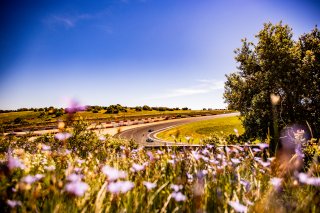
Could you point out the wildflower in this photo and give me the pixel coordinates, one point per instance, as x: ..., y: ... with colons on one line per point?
x: 303, y: 178
x: 276, y: 182
x: 102, y: 138
x: 235, y: 161
x: 236, y: 131
x: 77, y: 188
x: 14, y: 163
x: 238, y: 207
x: 14, y: 203
x: 171, y: 161
x: 196, y: 155
x: 150, y: 155
x: 137, y: 168
x: 74, y: 107
x: 120, y: 187
x: 263, y: 145
x: 178, y: 196
x: 61, y: 136
x: 74, y: 177
x: 29, y: 179
x: 246, y: 184
x: 45, y: 147
x: 176, y: 188
x: 113, y: 174
x: 149, y: 185
x: 50, y: 168
x: 159, y: 152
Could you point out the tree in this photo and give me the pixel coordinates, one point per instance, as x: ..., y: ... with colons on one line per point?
x: 280, y: 68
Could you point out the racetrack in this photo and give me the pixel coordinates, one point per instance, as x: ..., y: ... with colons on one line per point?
x: 141, y: 134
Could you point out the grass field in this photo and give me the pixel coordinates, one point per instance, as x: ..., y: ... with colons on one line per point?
x: 30, y: 119
x: 203, y: 129
x: 79, y: 171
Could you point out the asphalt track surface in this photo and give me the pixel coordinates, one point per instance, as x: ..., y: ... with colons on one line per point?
x: 141, y: 134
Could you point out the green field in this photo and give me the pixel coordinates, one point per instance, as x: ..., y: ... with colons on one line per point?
x: 36, y: 120
x: 203, y: 129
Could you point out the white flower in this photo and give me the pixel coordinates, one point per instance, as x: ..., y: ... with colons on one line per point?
x: 238, y: 207
x: 149, y: 185
x: 178, y: 196
x: 120, y: 187
x: 113, y: 174
x: 14, y: 203
x: 77, y: 188
x: 61, y: 136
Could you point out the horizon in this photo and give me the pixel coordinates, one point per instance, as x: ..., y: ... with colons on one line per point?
x: 131, y: 52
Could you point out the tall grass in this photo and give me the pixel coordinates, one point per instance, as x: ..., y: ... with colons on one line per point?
x: 83, y: 172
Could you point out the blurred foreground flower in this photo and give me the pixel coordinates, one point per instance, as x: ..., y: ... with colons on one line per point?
x: 29, y: 179
x: 238, y: 207
x: 61, y: 136
x: 14, y: 203
x: 113, y: 174
x: 304, y: 178
x: 77, y: 188
x: 14, y: 163
x: 120, y: 187
x: 149, y: 185
x: 74, y: 107
x: 178, y: 196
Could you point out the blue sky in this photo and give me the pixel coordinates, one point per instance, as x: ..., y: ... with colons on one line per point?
x: 171, y: 53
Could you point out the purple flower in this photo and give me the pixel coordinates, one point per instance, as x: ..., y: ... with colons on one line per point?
x: 176, y: 188
x: 304, y: 178
x: 151, y: 157
x: 235, y: 161
x: 45, y: 147
x: 113, y: 174
x: 178, y: 196
x: 77, y: 188
x: 276, y: 182
x: 14, y: 163
x: 14, y: 203
x: 29, y: 179
x: 137, y: 168
x: 74, y: 177
x: 61, y: 136
x: 50, y: 168
x: 263, y: 145
x: 120, y: 187
x: 149, y: 185
x: 74, y: 107
x: 238, y: 207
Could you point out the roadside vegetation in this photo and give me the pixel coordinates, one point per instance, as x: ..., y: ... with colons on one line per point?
x: 80, y: 171
x: 201, y: 131
x: 33, y: 119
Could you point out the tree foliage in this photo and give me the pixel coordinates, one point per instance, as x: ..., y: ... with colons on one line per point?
x: 280, y: 67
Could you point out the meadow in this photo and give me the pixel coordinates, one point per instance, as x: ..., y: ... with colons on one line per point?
x: 195, y: 132
x: 79, y: 171
x: 30, y: 120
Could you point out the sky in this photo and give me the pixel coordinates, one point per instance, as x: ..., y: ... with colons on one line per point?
x: 172, y: 53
